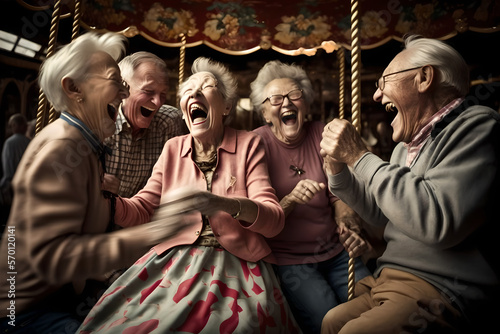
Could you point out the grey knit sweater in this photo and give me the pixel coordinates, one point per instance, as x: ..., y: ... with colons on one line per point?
x: 442, y: 215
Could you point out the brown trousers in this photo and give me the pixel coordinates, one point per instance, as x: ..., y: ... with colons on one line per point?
x: 395, y: 302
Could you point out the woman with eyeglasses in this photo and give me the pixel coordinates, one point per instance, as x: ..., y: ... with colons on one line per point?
x: 320, y: 232
x: 215, y: 276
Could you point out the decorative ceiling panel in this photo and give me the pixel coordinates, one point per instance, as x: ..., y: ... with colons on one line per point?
x: 291, y: 26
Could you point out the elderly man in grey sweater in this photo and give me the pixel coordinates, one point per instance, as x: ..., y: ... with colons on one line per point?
x: 437, y: 198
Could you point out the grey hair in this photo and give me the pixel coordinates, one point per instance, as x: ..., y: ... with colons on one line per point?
x: 129, y: 64
x: 71, y: 61
x: 275, y: 69
x: 226, y: 82
x: 453, y: 70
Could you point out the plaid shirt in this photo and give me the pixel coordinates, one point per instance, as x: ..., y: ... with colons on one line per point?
x: 419, y: 140
x: 132, y: 160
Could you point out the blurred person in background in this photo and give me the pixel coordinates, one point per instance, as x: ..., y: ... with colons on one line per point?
x: 12, y: 152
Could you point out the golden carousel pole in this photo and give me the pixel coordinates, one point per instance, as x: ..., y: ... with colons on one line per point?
x: 53, y: 115
x: 42, y: 100
x: 182, y: 60
x: 355, y: 67
x: 76, y: 20
x: 341, y: 58
x: 356, y: 108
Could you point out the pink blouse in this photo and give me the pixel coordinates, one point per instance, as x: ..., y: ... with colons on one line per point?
x: 241, y: 172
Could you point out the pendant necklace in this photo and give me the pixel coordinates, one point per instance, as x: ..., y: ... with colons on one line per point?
x: 297, y: 170
x: 294, y: 166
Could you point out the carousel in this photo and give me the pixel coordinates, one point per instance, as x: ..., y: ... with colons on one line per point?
x: 344, y: 45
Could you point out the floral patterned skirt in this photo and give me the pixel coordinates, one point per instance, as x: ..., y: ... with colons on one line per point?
x: 192, y: 289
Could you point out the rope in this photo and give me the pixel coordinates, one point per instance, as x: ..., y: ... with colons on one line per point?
x: 356, y: 108
x: 42, y: 100
x: 182, y: 59
x: 341, y: 58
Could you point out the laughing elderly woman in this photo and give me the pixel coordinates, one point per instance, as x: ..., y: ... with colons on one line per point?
x: 312, y: 250
x: 59, y: 214
x: 215, y: 276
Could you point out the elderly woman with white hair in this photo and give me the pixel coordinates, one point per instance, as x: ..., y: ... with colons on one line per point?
x: 56, y: 234
x: 215, y: 276
x: 320, y: 231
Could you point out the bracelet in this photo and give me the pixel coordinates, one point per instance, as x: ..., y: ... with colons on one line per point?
x: 237, y: 214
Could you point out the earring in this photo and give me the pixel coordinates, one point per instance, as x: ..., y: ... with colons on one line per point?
x: 79, y: 100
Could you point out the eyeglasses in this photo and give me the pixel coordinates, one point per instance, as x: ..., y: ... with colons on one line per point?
x: 121, y: 82
x: 380, y: 83
x: 278, y: 99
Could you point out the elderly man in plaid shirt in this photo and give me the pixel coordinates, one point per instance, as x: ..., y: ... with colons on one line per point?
x: 144, y: 123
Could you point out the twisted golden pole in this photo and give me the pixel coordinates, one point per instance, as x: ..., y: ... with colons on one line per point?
x: 351, y: 278
x: 42, y: 104
x: 182, y: 60
x: 341, y: 58
x: 42, y: 100
x: 355, y: 66
x: 53, y: 115
x: 356, y: 108
x: 76, y: 20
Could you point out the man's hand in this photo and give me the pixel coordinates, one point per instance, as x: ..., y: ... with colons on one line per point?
x: 341, y: 144
x: 353, y: 243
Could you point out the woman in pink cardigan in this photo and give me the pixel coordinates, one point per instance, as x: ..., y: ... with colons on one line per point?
x: 214, y: 276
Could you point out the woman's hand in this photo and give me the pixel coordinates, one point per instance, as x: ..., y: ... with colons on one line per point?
x: 303, y: 192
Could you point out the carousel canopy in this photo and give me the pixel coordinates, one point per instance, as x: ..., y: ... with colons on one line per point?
x: 290, y: 26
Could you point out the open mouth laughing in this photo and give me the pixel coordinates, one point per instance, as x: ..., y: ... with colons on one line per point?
x: 146, y: 112
x: 390, y: 107
x: 289, y: 117
x: 198, y: 113
x: 112, y: 111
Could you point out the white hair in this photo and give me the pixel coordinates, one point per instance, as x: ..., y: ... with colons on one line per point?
x: 275, y: 69
x: 71, y: 61
x: 452, y: 68
x: 226, y: 82
x: 131, y: 62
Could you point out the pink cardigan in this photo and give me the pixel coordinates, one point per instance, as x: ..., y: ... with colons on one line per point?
x: 241, y: 172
